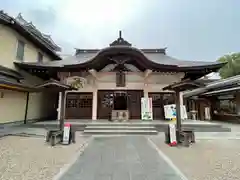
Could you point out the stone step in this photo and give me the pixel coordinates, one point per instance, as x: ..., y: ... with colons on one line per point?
x: 198, y: 128
x: 123, y: 132
x: 120, y: 128
x: 145, y: 124
x: 161, y: 127
x: 121, y: 124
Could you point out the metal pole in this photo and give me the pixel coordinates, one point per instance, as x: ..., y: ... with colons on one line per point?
x: 178, y: 112
x: 26, y: 108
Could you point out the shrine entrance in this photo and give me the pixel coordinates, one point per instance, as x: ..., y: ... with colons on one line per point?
x: 120, y: 101
x: 126, y: 100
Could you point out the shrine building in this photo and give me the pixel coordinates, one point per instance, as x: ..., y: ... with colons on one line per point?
x: 112, y: 80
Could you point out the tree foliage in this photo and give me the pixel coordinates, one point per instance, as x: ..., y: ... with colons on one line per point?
x: 232, y: 68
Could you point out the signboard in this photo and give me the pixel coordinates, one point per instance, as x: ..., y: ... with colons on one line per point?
x: 76, y: 82
x: 170, y: 111
x: 146, y: 109
x: 172, y: 133
x: 66, y: 133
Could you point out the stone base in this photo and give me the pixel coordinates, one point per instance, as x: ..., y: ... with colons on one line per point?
x: 120, y: 115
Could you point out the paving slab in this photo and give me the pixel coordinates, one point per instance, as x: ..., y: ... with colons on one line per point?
x: 208, y: 159
x: 120, y: 158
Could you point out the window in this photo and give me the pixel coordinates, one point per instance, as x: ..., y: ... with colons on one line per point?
x: 20, y: 50
x: 226, y: 104
x: 40, y: 57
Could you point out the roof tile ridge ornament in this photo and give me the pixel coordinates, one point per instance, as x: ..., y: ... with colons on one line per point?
x: 32, y: 28
x: 120, y: 41
x: 49, y: 38
x: 20, y: 19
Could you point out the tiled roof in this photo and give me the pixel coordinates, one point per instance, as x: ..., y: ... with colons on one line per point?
x: 215, y: 85
x: 47, y: 38
x: 155, y: 58
x: 159, y: 58
x: 31, y: 33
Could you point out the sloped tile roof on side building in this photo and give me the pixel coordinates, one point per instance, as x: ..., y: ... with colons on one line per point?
x: 31, y: 33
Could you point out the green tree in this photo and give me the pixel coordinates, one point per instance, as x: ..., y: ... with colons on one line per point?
x: 232, y: 68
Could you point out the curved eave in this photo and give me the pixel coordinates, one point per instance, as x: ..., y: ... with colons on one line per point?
x: 35, y: 66
x: 215, y: 67
x: 98, y: 59
x: 102, y: 58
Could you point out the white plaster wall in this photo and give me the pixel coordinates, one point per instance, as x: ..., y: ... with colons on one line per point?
x: 12, y: 106
x: 154, y: 83
x: 8, y: 48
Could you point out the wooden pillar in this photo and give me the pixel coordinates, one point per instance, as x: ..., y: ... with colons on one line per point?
x: 178, y: 116
x: 94, y: 106
x: 238, y: 103
x: 181, y: 98
x: 62, y: 111
x: 59, y: 105
x: 145, y: 91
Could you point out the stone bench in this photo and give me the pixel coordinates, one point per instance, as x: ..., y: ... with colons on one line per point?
x: 187, y: 137
x: 54, y: 137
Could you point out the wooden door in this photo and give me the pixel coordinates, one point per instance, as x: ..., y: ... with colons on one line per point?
x: 79, y: 106
x: 105, y: 104
x: 134, y: 103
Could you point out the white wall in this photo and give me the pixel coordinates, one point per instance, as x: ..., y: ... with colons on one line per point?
x: 12, y: 105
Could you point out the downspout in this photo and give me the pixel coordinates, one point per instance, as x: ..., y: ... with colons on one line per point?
x: 26, y: 108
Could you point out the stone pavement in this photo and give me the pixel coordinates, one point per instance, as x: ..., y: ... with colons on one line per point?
x: 22, y: 131
x: 207, y: 159
x: 120, y: 158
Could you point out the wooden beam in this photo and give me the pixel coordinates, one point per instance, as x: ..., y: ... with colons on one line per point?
x: 93, y: 72
x: 146, y: 73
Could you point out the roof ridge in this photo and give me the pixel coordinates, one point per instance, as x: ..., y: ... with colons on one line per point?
x: 28, y: 30
x: 37, y: 32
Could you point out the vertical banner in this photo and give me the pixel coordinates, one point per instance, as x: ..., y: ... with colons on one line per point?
x: 207, y: 113
x: 172, y: 133
x: 146, y: 109
x: 150, y: 110
x: 66, y: 133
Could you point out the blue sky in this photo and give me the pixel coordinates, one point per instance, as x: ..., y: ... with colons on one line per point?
x: 190, y: 29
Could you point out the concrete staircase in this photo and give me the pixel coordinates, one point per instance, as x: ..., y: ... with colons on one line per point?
x: 120, y: 129
x: 129, y: 127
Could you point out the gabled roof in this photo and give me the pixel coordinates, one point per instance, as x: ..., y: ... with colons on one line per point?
x: 29, y: 31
